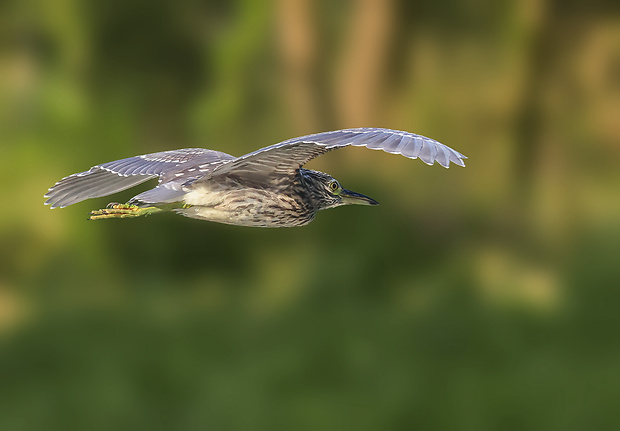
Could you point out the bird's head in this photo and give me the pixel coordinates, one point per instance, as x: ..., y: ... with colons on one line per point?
x: 323, y: 191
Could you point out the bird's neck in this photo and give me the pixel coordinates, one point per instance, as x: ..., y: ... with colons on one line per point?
x: 307, y: 190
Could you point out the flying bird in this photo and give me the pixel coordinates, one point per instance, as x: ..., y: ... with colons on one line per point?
x: 264, y: 188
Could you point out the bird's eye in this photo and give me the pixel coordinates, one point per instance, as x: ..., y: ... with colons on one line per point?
x: 334, y: 186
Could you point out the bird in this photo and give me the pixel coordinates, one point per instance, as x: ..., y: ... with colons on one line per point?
x: 265, y: 188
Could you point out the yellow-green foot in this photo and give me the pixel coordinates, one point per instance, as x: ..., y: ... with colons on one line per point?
x: 122, y: 211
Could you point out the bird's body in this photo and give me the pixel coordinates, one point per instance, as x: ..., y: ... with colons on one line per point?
x: 265, y: 188
x: 233, y: 202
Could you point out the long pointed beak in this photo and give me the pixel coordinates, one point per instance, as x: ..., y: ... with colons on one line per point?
x: 353, y: 198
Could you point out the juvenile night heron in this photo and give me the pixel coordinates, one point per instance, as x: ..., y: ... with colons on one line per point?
x: 265, y: 188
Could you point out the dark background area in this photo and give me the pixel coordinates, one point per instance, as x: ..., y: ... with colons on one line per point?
x: 481, y: 298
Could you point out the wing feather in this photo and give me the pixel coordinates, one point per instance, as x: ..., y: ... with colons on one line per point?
x: 392, y: 143
x: 291, y: 154
x: 112, y: 177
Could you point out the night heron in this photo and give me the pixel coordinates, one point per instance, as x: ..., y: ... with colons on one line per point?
x: 265, y: 188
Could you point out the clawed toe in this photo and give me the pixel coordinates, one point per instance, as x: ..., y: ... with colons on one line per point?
x: 116, y: 210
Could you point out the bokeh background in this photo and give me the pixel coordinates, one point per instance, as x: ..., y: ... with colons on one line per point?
x: 481, y: 298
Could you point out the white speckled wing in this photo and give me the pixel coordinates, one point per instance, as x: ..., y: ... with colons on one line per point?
x: 112, y: 177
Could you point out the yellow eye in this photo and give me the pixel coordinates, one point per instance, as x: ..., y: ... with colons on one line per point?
x: 334, y: 186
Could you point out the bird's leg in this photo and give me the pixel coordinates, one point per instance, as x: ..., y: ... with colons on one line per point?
x: 115, y: 210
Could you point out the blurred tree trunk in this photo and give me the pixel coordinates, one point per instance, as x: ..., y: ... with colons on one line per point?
x: 298, y: 45
x: 360, y: 72
x: 354, y: 92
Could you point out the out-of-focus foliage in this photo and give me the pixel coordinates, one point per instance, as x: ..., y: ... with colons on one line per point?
x: 471, y: 299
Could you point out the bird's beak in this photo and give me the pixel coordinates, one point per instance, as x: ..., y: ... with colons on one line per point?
x: 353, y: 198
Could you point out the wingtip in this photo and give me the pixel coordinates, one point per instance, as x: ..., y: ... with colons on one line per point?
x: 458, y: 159
x: 52, y: 205
x: 458, y: 162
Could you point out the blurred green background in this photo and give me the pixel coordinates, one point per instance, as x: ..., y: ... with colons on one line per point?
x: 482, y: 298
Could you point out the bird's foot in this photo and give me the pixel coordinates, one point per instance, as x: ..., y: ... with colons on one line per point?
x: 115, y: 210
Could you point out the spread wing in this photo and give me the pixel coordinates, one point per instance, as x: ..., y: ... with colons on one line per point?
x: 291, y: 154
x: 112, y: 177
